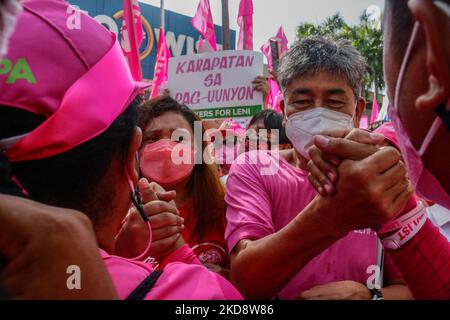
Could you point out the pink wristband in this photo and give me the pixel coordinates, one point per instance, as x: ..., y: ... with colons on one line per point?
x: 406, y: 233
x: 403, y: 220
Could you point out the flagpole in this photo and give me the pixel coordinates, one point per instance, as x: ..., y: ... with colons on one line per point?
x: 162, y: 14
x: 225, y: 26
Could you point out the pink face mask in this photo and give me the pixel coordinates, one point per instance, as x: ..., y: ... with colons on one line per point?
x: 167, y: 162
x: 424, y: 183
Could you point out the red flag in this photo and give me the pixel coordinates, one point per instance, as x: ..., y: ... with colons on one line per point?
x: 245, y: 22
x: 203, y: 23
x: 132, y: 35
x: 161, y: 65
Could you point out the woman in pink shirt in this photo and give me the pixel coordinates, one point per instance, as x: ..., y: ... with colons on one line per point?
x: 167, y: 125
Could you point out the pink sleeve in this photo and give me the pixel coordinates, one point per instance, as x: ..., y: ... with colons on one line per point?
x: 181, y: 281
x: 183, y: 254
x: 249, y: 213
x: 425, y: 263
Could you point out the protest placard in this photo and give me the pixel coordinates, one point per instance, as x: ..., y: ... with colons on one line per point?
x: 217, y: 85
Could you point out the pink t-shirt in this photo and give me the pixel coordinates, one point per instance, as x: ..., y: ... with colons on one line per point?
x: 179, y: 280
x: 264, y: 193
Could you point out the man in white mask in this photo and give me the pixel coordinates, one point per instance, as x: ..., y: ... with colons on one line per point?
x: 417, y: 73
x: 279, y: 229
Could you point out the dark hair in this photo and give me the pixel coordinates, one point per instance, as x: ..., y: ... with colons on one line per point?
x: 271, y: 120
x: 76, y: 178
x: 313, y: 54
x: 206, y: 190
x: 9, y: 128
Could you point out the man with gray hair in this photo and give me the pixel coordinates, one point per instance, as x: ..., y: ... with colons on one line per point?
x: 286, y: 240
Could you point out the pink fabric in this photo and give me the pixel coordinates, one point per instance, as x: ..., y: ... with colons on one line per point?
x: 53, y: 136
x: 275, y: 96
x: 59, y: 56
x: 162, y: 64
x: 179, y: 280
x: 259, y: 205
x: 89, y: 84
x: 245, y: 22
x: 425, y: 263
x: 265, y: 48
x: 132, y: 35
x: 183, y: 254
x: 388, y: 131
x: 374, y: 115
x: 203, y: 23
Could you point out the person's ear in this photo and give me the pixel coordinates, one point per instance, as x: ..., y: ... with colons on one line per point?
x: 435, y: 24
x: 132, y: 162
x: 359, y: 111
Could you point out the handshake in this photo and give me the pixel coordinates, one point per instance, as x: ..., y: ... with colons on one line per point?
x: 360, y: 177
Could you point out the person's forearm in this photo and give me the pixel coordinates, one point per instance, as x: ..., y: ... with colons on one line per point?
x: 396, y: 292
x: 266, y: 265
x: 425, y: 263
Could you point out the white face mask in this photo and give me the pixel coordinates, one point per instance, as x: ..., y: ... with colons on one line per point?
x: 301, y: 127
x: 8, y: 16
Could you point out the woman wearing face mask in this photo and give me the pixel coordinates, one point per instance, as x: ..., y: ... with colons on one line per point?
x: 167, y: 158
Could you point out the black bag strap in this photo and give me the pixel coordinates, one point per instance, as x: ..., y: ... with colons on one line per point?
x: 145, y: 286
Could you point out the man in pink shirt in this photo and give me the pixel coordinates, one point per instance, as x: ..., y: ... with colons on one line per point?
x: 278, y: 228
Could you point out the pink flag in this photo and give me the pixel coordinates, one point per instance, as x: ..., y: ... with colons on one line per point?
x: 245, y: 22
x: 374, y: 115
x: 203, y: 23
x: 364, y: 124
x: 284, y: 41
x: 161, y: 65
x: 131, y: 35
x: 275, y: 96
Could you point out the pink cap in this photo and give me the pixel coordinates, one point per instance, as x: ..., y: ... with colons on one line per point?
x: 388, y: 131
x: 82, y: 80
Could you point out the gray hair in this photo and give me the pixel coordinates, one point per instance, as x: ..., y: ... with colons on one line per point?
x: 311, y: 55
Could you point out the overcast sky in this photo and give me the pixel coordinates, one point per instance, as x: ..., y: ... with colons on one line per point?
x: 270, y: 14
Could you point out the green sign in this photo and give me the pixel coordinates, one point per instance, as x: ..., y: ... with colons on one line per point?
x: 228, y: 112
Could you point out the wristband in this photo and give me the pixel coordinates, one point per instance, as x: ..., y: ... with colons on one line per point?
x: 404, y: 234
x: 403, y: 220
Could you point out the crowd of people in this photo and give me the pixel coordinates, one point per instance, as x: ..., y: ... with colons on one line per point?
x: 153, y: 203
